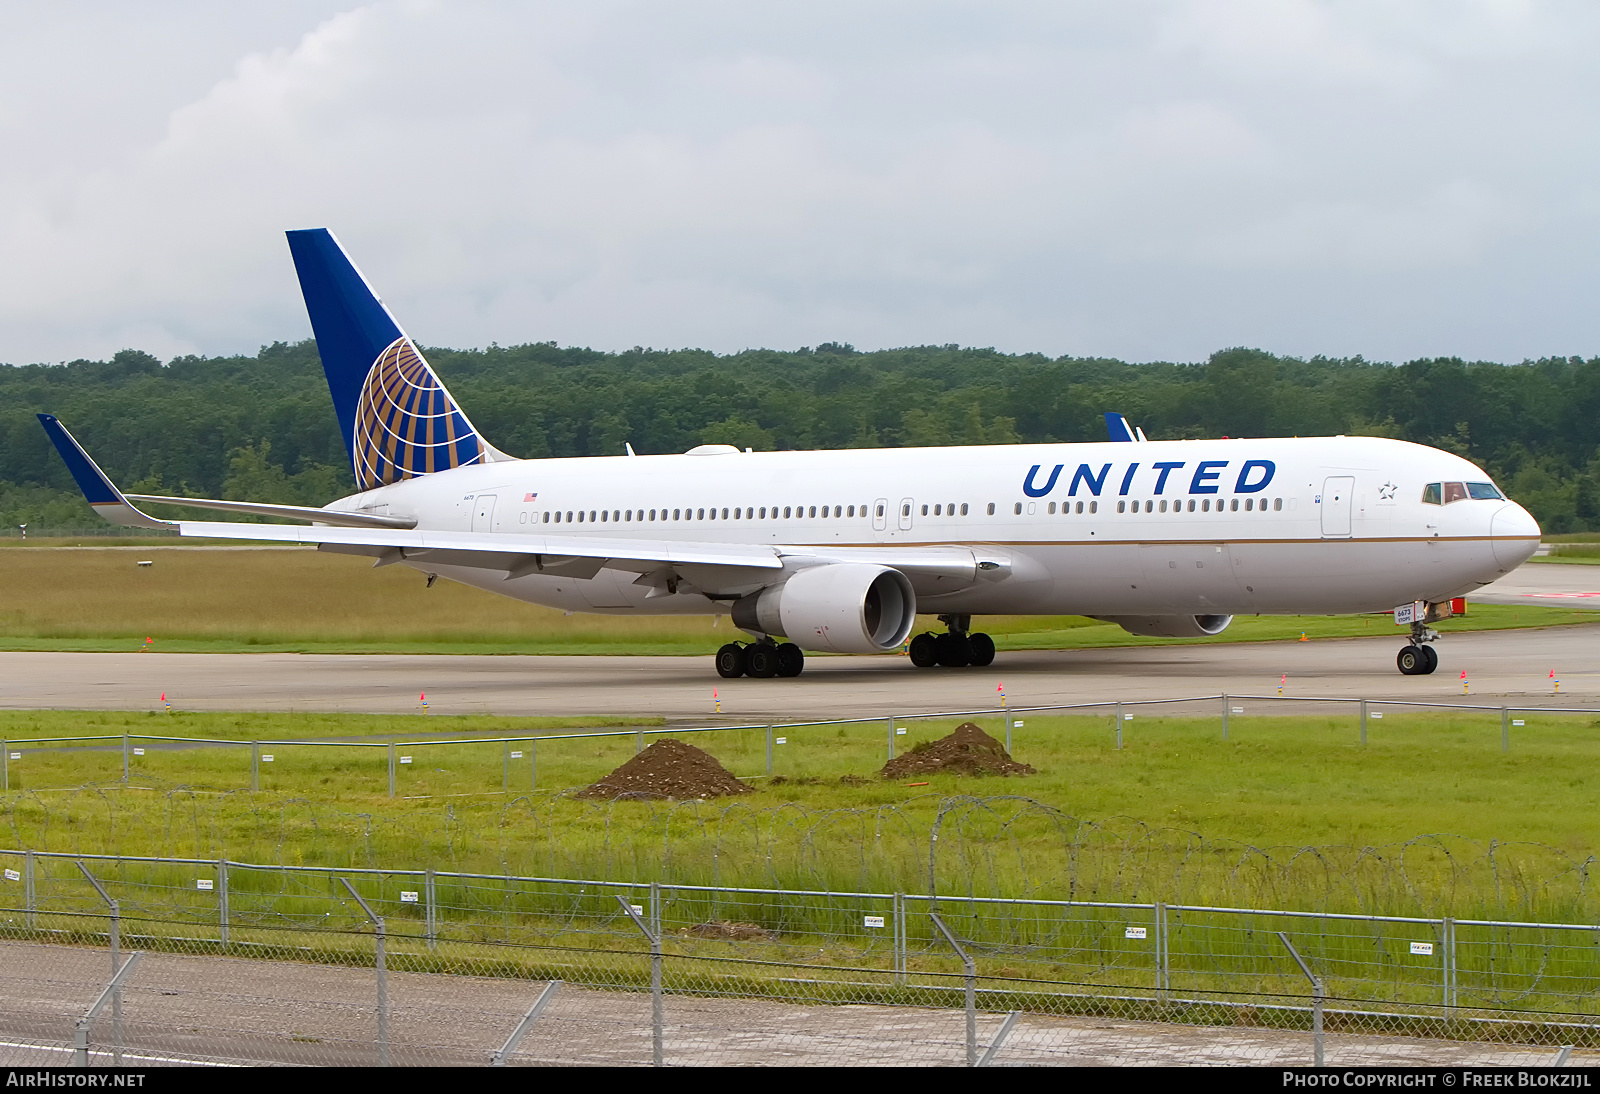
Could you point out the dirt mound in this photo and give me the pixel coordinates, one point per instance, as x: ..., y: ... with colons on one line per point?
x: 667, y: 769
x: 967, y: 751
x: 732, y: 932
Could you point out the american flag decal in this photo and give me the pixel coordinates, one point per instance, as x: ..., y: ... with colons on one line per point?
x: 529, y: 497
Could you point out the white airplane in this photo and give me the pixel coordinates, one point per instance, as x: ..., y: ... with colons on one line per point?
x: 839, y: 551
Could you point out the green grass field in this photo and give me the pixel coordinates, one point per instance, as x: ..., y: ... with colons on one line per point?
x: 297, y: 600
x: 1288, y: 812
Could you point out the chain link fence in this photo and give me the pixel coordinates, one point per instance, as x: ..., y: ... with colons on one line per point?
x: 135, y: 961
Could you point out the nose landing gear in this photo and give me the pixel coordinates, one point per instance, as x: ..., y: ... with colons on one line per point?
x: 1419, y: 658
x: 956, y: 648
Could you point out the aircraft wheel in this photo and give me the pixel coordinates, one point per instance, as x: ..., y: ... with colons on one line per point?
x: 925, y: 650
x: 730, y: 661
x: 1432, y: 656
x: 1412, y: 660
x: 982, y: 649
x: 955, y: 651
x: 791, y: 659
x: 761, y: 660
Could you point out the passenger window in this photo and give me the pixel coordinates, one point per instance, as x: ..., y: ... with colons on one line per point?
x: 1455, y: 491
x: 880, y: 510
x: 924, y: 510
x: 1431, y: 494
x: 603, y: 515
x: 724, y: 514
x: 1094, y: 507
x: 1233, y: 506
x: 991, y: 508
x: 1052, y: 507
x: 1163, y: 505
x: 963, y: 508
x: 852, y: 511
x: 677, y: 514
x: 1122, y: 507
x: 813, y: 511
x: 1277, y: 503
x: 786, y: 511
x: 546, y: 519
x: 1191, y: 505
x: 1018, y: 509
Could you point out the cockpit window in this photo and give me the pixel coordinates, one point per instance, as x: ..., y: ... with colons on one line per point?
x: 1431, y: 494
x: 1483, y: 491
x: 1455, y: 491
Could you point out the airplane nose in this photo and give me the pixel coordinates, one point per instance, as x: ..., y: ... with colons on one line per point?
x: 1514, y: 534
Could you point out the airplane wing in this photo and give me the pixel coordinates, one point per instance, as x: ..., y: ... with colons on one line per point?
x: 706, y: 565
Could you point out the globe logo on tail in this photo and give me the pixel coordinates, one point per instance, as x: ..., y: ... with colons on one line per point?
x: 406, y: 424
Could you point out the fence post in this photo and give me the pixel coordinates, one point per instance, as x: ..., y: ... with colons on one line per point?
x: 769, y: 750
x: 430, y: 911
x: 1505, y: 729
x: 1163, y: 975
x: 499, y: 1059
x: 638, y: 746
x: 899, y: 937
x: 970, y: 976
x: 5, y: 765
x: 533, y: 765
x: 1316, y: 999
x: 391, y: 769
x: 112, y: 991
x: 1008, y: 734
x: 125, y: 755
x: 383, y: 976
x: 30, y: 897
x: 1224, y: 717
x: 255, y: 766
x: 1448, y: 930
x: 891, y: 736
x: 115, y: 986
x: 1363, y: 723
x: 655, y: 978
x: 222, y: 900
x: 1119, y: 723
x: 505, y: 766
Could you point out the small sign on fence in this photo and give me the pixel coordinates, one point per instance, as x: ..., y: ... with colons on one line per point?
x: 1376, y: 714
x: 266, y: 757
x: 1017, y: 723
x: 638, y: 909
x: 16, y: 755
x: 12, y: 875
x: 405, y: 759
x: 203, y: 883
x: 1518, y: 722
x: 1134, y: 932
x: 872, y: 921
x: 516, y: 754
x: 1238, y: 710
x: 138, y: 752
x: 780, y: 740
x: 899, y: 731
x: 1423, y: 948
x: 407, y: 896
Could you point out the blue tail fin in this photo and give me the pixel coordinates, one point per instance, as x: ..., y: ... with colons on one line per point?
x: 397, y: 419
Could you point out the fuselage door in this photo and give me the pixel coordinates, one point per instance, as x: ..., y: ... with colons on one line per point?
x: 880, y: 515
x: 1337, y: 501
x: 483, y: 513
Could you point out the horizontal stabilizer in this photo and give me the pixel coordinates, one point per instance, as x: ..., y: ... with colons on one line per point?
x: 336, y: 517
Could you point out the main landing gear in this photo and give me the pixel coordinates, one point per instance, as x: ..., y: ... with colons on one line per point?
x: 1419, y: 658
x: 956, y: 648
x: 763, y: 660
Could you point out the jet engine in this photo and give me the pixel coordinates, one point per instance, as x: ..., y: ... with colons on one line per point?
x: 1171, y: 626
x: 840, y: 607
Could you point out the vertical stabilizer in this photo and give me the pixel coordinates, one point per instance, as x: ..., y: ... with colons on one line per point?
x: 397, y: 419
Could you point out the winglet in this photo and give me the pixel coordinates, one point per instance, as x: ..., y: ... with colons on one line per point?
x: 98, y: 490
x: 1118, y: 428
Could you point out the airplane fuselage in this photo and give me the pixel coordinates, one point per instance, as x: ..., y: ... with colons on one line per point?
x: 1204, y: 527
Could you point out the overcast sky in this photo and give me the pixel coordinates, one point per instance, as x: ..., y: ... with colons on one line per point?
x: 1144, y: 179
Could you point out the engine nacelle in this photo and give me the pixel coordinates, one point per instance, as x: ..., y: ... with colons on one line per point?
x: 1171, y: 626
x: 839, y: 607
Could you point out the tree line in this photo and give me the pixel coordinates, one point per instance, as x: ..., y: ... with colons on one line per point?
x: 262, y: 427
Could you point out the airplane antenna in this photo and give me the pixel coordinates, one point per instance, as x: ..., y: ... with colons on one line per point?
x: 629, y: 448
